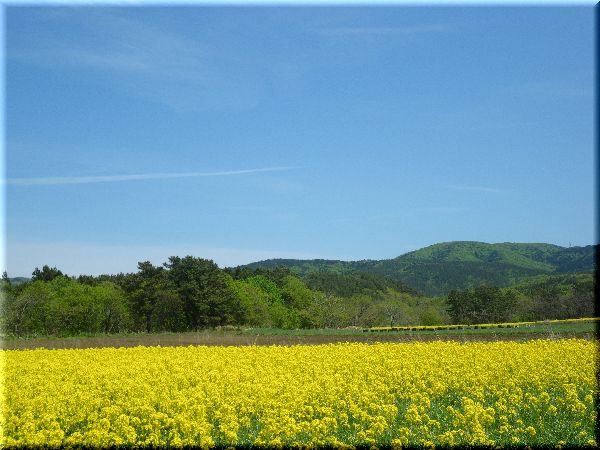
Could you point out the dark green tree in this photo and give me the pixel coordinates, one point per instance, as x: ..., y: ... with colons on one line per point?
x: 46, y: 274
x: 168, y: 313
x: 114, y: 309
x: 584, y: 299
x: 25, y: 313
x: 5, y: 280
x: 205, y: 291
x: 483, y: 304
x: 460, y: 306
x: 143, y: 288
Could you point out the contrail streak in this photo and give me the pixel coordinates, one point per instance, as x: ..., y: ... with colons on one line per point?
x: 137, y: 177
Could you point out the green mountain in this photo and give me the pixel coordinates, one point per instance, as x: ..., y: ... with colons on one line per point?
x: 349, y: 284
x: 19, y: 280
x: 556, y: 283
x: 439, y: 268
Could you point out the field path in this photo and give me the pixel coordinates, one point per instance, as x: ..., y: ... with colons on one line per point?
x: 237, y: 339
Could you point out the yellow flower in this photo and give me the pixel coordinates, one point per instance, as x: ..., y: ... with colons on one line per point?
x: 357, y: 394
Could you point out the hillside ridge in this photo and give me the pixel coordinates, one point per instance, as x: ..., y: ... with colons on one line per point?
x: 439, y: 268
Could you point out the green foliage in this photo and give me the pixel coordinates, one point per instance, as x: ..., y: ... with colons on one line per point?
x: 295, y: 293
x: 23, y: 312
x: 205, y: 291
x: 575, y: 259
x: 168, y: 312
x: 114, y: 313
x: 265, y: 304
x: 439, y: 268
x: 562, y: 282
x: 483, y: 304
x: 276, y: 274
x: 431, y: 316
x: 268, y: 287
x: 193, y: 293
x: 326, y: 311
x: 557, y: 296
x: 63, y: 306
x: 348, y: 284
x: 303, y: 267
x: 46, y: 274
x: 254, y: 303
x: 537, y: 298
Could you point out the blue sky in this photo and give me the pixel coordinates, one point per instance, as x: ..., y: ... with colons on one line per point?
x: 240, y: 134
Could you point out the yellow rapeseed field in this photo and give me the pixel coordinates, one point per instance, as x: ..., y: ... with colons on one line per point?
x: 499, y: 393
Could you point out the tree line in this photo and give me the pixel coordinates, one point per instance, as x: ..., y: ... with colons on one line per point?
x: 190, y: 294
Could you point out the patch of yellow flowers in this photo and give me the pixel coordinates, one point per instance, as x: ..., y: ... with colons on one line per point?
x: 436, y: 393
x: 483, y: 325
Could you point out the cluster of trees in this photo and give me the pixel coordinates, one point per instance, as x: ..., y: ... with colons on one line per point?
x: 193, y: 293
x: 484, y: 304
x: 190, y: 293
x: 539, y: 298
x: 64, y: 307
x: 556, y: 297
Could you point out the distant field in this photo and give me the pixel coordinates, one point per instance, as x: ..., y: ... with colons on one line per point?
x: 491, y: 326
x: 272, y: 336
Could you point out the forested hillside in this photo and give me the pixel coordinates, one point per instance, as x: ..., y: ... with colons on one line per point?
x: 191, y: 293
x: 439, y: 268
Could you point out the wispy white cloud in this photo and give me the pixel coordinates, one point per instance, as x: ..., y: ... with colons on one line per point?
x: 114, y: 42
x: 154, y: 63
x: 475, y: 188
x: 344, y: 31
x: 136, y: 177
